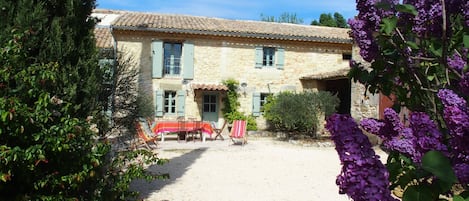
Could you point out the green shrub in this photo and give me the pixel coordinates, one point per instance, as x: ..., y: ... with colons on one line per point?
x: 299, y: 112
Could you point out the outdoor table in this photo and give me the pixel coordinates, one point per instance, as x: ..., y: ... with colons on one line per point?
x: 163, y: 127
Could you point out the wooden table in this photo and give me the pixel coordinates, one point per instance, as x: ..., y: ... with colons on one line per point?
x: 165, y: 127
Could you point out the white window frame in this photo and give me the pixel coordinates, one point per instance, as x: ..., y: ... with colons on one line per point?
x: 170, y: 101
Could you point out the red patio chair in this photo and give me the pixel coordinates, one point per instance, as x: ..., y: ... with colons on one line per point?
x: 145, y: 137
x: 238, y: 132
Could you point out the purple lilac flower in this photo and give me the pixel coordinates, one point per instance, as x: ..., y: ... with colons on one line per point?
x: 387, y: 128
x: 456, y: 61
x: 449, y: 98
x: 363, y: 176
x: 393, y: 121
x: 456, y: 117
x: 426, y: 136
x: 363, y: 35
x: 457, y: 120
x: 373, y: 126
x: 462, y: 172
x: 366, y: 23
x: 429, y: 18
x: 421, y: 136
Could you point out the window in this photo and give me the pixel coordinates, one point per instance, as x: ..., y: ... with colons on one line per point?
x: 258, y: 102
x: 170, y: 102
x: 172, y: 58
x: 264, y: 99
x: 268, y: 58
x: 346, y: 56
x: 210, y: 103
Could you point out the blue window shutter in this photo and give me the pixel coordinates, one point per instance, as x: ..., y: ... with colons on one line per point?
x: 188, y: 56
x: 280, y: 58
x: 180, y: 102
x: 157, y: 59
x: 159, y: 97
x: 259, y: 56
x: 256, y: 104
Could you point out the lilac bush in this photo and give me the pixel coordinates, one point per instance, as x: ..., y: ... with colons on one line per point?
x: 417, y: 51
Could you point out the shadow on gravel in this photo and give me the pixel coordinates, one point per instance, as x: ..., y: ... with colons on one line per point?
x: 176, y: 167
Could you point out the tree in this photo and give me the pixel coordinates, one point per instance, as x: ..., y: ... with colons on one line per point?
x: 340, y: 20
x: 285, y: 17
x: 50, y: 148
x: 417, y: 52
x: 331, y: 21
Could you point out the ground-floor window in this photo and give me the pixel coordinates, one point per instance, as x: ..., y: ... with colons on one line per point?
x: 170, y: 102
x: 264, y: 99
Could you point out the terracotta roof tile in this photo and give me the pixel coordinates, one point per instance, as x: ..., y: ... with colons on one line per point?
x: 103, y: 37
x: 339, y: 73
x: 225, y: 27
x: 209, y: 87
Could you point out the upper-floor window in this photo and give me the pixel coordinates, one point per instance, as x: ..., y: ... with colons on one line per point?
x: 172, y: 58
x: 170, y: 102
x: 269, y: 57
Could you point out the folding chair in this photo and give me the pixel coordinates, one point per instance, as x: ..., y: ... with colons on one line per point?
x: 182, y: 130
x: 144, y: 137
x: 238, y: 132
x: 219, y: 131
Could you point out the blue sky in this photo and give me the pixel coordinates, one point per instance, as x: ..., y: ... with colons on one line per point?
x: 308, y: 10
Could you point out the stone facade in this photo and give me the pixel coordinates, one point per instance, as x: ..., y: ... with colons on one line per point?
x: 222, y: 52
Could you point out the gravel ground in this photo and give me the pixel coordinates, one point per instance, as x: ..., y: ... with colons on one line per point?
x: 264, y: 169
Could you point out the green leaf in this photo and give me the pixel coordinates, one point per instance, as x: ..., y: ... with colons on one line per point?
x: 430, y: 77
x: 466, y: 41
x: 412, y: 45
x: 418, y: 193
x: 389, y: 24
x: 406, y: 8
x: 437, y: 163
x: 460, y: 198
x: 4, y: 116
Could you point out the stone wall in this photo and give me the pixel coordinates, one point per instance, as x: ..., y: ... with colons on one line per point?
x: 364, y: 105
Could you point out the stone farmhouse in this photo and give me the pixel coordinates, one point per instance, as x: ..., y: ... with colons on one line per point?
x: 184, y: 59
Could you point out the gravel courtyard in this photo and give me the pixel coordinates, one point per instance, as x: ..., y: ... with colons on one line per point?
x: 265, y: 169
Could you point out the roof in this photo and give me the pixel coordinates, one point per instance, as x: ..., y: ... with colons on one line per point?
x: 103, y: 37
x: 172, y: 23
x: 209, y: 87
x: 341, y: 73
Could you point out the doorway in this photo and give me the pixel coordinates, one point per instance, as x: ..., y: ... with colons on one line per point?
x: 210, y: 107
x: 341, y: 87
